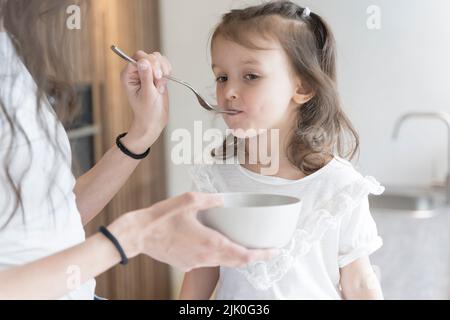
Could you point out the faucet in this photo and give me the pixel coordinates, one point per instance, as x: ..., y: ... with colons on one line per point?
x: 438, y: 115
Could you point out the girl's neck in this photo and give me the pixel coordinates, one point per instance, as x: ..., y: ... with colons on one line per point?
x: 284, y: 168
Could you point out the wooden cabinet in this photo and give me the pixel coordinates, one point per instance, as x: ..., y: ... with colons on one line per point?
x: 133, y: 25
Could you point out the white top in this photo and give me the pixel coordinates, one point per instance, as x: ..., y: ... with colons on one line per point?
x: 52, y: 222
x: 335, y: 228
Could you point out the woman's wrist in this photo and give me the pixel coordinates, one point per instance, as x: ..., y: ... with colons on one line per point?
x: 126, y: 230
x: 137, y: 140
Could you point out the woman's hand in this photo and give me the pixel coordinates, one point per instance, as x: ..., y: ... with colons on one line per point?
x: 170, y: 232
x: 148, y: 97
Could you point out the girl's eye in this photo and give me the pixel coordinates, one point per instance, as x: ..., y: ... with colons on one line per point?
x: 251, y: 77
x: 221, y: 79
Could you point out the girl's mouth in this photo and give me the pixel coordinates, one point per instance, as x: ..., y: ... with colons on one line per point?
x: 234, y: 112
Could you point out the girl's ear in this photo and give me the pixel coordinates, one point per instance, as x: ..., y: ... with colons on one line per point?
x: 303, y: 93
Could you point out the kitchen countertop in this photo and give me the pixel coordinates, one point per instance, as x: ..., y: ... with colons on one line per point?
x: 414, y: 262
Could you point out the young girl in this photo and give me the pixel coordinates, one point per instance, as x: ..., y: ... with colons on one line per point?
x: 275, y: 65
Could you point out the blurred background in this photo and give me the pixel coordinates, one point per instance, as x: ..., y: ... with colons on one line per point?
x: 393, y: 61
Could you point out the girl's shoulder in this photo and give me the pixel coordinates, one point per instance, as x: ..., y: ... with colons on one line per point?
x: 340, y: 179
x: 337, y: 176
x: 344, y: 183
x: 339, y: 172
x: 207, y: 177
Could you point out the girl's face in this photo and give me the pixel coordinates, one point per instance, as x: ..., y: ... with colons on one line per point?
x: 257, y: 83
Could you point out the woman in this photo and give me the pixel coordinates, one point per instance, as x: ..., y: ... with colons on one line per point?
x: 43, y: 208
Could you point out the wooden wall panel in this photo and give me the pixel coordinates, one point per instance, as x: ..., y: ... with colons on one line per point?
x: 132, y: 25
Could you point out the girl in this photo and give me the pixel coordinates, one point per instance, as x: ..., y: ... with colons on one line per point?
x: 275, y: 65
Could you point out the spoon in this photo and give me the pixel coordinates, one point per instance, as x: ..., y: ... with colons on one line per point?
x: 205, y: 104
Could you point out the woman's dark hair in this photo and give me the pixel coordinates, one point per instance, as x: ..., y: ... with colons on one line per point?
x: 37, y: 31
x: 322, y: 128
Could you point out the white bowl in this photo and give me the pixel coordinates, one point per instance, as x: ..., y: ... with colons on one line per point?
x: 255, y: 220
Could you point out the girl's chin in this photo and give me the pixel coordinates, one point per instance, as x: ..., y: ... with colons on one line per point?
x: 243, y: 131
x: 235, y: 124
x: 241, y: 128
x: 244, y: 134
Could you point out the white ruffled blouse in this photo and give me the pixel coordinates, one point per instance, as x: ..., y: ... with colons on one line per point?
x: 334, y: 229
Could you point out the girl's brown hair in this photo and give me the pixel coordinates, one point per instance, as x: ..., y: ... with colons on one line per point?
x: 322, y: 128
x: 37, y: 31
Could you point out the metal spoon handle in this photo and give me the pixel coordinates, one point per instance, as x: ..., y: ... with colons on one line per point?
x: 123, y: 55
x: 181, y: 82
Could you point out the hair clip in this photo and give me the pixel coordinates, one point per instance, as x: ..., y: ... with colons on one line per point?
x: 306, y: 12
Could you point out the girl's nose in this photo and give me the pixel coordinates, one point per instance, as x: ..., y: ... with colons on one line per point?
x: 231, y: 93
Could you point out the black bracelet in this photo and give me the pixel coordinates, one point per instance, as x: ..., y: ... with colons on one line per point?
x: 128, y: 152
x: 109, y: 235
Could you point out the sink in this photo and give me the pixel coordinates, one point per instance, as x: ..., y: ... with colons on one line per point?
x: 419, y: 201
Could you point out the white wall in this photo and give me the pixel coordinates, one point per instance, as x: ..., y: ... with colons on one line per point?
x: 383, y: 73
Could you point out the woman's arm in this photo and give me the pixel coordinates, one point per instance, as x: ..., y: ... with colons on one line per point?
x: 168, y: 231
x: 149, y: 101
x: 199, y: 284
x: 99, y: 185
x: 54, y: 276
x: 358, y: 281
